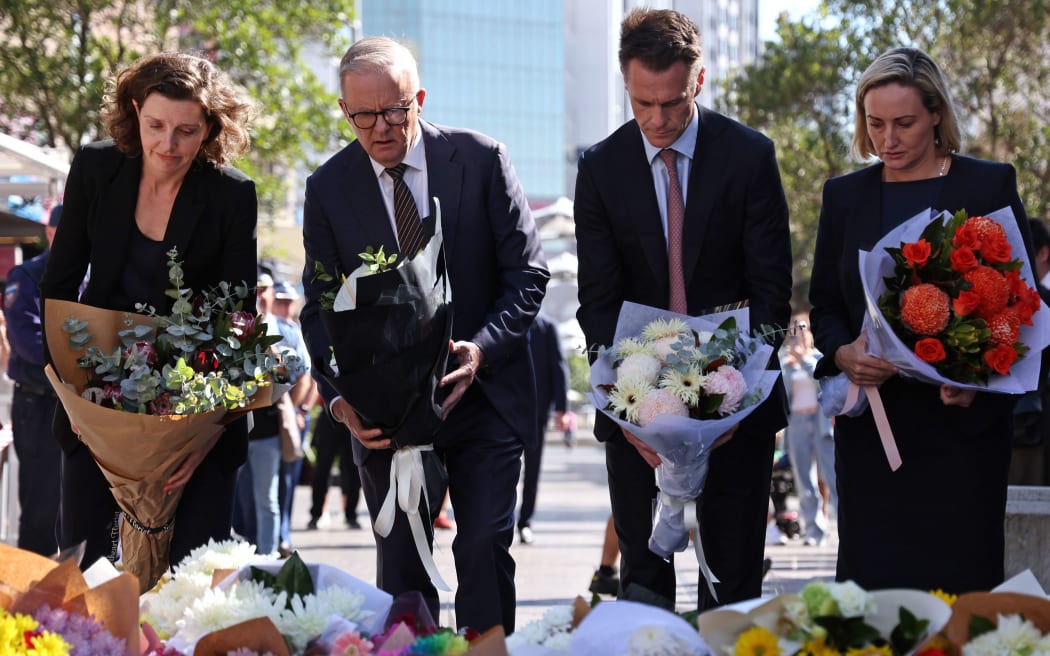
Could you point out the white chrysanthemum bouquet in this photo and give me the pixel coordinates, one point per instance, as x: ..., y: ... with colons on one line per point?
x: 678, y: 383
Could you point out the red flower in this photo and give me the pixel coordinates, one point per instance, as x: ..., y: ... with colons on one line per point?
x: 917, y: 253
x: 924, y: 309
x: 963, y: 259
x: 206, y: 361
x: 1005, y: 327
x: 966, y: 237
x: 930, y: 350
x: 995, y: 249
x: 985, y: 228
x: 145, y: 349
x: 1000, y: 358
x: 992, y: 287
x: 966, y: 303
x: 243, y: 324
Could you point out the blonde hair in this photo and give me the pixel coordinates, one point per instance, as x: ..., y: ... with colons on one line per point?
x: 914, y: 68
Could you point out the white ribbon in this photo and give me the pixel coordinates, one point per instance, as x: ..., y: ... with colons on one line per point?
x: 408, y: 484
x: 691, y: 526
x: 882, y: 422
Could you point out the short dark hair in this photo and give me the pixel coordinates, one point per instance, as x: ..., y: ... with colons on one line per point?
x: 179, y: 76
x: 658, y: 38
x: 1040, y: 235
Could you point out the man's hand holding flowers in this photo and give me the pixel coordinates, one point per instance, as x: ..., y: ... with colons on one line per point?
x: 370, y: 438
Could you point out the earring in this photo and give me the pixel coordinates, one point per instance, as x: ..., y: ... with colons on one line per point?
x: 937, y: 135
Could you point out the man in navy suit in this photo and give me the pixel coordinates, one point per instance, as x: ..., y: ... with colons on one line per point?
x: 734, y: 246
x: 498, y: 277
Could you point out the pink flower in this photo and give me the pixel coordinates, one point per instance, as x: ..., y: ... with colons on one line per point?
x: 660, y: 402
x: 730, y: 382
x: 351, y: 644
x: 144, y: 349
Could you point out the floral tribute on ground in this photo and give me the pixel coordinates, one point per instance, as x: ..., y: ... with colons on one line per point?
x: 678, y: 383
x: 144, y: 390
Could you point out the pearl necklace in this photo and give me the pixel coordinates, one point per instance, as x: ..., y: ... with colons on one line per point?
x: 944, y: 163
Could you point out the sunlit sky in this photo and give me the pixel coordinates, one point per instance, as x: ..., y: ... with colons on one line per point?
x: 768, y: 10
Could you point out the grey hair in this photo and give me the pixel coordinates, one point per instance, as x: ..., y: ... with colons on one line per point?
x: 376, y: 53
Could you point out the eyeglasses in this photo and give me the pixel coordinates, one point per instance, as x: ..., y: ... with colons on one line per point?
x: 367, y: 120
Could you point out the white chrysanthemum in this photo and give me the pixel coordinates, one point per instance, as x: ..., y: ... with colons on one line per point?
x: 165, y: 607
x: 555, y: 622
x: 227, y: 554
x: 217, y: 609
x: 1014, y: 635
x: 728, y: 381
x: 630, y: 346
x: 639, y: 366
x: 559, y: 618
x: 686, y: 385
x: 559, y: 642
x: 655, y: 641
x: 309, y: 616
x: 661, y: 328
x: 660, y: 402
x: 627, y: 396
x: 852, y: 600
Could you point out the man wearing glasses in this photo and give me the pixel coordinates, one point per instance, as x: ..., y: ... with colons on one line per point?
x: 359, y: 198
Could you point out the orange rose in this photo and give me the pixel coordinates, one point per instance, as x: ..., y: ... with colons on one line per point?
x: 930, y: 350
x: 966, y: 303
x: 963, y: 259
x: 1000, y: 358
x: 995, y: 249
x: 916, y: 253
x: 966, y: 237
x: 1016, y: 283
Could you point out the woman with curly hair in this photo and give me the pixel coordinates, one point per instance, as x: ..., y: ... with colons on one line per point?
x: 163, y: 181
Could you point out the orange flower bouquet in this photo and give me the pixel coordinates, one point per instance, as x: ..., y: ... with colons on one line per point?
x: 958, y: 300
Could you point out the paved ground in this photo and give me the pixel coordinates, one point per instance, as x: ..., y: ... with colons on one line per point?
x: 570, y: 519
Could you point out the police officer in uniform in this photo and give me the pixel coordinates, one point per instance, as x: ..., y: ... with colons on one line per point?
x: 33, y: 406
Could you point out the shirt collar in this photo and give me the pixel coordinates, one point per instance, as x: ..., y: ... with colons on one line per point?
x: 684, y: 145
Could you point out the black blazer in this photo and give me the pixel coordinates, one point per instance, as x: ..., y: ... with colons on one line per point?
x: 497, y: 271
x: 736, y: 243
x: 552, y: 372
x: 212, y: 223
x: 851, y: 219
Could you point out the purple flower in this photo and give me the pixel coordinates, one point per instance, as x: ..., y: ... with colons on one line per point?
x: 243, y: 324
x: 87, y: 637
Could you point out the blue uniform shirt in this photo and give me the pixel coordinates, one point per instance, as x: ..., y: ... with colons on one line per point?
x: 24, y: 332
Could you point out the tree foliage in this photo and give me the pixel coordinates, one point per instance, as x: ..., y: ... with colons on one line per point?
x: 800, y: 91
x: 57, y: 56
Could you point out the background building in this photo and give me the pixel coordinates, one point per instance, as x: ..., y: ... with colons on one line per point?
x: 495, y: 66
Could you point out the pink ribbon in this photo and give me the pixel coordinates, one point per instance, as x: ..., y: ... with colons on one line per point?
x: 882, y: 423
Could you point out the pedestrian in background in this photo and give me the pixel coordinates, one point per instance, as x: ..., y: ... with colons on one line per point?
x: 552, y: 391
x: 33, y: 404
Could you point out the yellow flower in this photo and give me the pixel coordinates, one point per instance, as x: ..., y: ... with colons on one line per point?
x: 49, y: 644
x: 757, y: 641
x: 944, y: 596
x: 686, y: 385
x: 870, y: 650
x: 627, y: 396
x: 816, y: 647
x: 661, y: 328
x: 13, y: 629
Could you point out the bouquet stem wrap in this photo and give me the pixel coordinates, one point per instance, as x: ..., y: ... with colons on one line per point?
x: 137, y: 453
x: 684, y: 443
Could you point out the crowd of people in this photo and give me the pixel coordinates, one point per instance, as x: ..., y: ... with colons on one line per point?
x: 681, y: 208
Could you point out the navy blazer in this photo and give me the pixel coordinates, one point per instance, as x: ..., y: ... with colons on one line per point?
x: 212, y: 223
x: 497, y: 271
x: 736, y: 243
x: 851, y: 220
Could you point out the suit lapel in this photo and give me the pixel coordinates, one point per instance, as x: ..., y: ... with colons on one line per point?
x: 116, y: 210
x: 368, y: 221
x: 186, y: 212
x: 865, y: 217
x: 444, y: 180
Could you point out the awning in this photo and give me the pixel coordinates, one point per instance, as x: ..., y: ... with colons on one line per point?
x: 16, y: 230
x: 18, y: 157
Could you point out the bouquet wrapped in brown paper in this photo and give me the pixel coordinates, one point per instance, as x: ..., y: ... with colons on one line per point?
x: 145, y: 390
x: 29, y: 583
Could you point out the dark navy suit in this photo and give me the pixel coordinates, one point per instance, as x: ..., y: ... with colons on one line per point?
x: 498, y: 277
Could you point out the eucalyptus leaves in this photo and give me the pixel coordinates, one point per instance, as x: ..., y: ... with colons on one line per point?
x: 207, y: 353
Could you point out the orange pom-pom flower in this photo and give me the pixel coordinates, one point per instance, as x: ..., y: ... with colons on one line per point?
x: 924, y: 309
x: 992, y: 287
